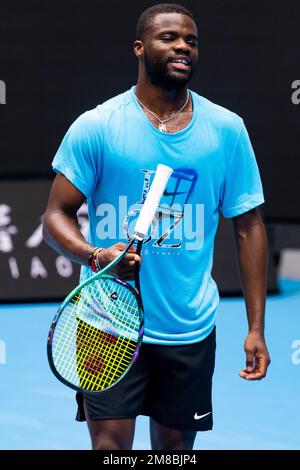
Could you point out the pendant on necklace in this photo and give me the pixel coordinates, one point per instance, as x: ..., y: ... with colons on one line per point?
x: 162, y: 127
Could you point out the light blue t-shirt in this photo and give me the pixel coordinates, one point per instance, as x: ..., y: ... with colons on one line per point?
x: 110, y: 154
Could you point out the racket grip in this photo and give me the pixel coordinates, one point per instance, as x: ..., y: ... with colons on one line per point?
x: 152, y: 201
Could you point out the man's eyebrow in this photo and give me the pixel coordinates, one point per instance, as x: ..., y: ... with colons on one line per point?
x: 193, y: 36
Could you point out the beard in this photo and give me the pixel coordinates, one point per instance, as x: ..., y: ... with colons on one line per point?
x: 159, y: 74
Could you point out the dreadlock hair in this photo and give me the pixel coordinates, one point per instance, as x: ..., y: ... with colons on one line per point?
x: 150, y: 13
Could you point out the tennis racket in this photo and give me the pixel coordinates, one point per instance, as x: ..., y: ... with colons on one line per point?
x: 97, y: 332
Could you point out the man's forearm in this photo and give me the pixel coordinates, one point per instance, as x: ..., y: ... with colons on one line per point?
x: 62, y: 233
x: 252, y: 249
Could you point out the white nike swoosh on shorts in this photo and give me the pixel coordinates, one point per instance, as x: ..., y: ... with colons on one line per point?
x: 202, y: 416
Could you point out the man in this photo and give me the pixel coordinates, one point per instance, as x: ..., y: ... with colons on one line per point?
x: 107, y: 157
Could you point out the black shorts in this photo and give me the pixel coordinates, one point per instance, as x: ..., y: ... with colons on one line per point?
x: 171, y: 384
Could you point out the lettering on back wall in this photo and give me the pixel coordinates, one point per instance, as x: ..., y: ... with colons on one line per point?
x: 8, y: 233
x: 2, y: 92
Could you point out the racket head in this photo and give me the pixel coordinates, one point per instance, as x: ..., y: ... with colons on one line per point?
x: 96, y: 334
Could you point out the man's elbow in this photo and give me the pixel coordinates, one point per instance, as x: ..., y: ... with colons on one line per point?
x: 45, y: 228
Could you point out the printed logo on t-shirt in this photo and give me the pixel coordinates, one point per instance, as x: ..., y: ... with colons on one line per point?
x: 177, y: 223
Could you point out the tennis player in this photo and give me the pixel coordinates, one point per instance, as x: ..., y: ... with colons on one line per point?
x: 107, y: 158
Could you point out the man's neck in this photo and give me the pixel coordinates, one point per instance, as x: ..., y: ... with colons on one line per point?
x: 159, y: 99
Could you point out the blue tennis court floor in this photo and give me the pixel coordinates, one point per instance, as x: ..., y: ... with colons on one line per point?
x: 37, y: 411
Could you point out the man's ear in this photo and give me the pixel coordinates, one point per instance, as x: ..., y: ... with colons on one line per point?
x: 138, y: 48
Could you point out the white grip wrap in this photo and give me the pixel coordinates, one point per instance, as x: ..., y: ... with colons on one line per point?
x: 151, y: 203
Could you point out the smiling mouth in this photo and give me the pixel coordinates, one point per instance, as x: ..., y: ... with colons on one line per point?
x: 181, y: 64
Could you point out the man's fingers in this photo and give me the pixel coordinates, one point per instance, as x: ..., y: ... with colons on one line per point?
x: 121, y: 246
x: 253, y: 376
x: 243, y: 373
x: 126, y: 271
x: 257, y: 357
x: 127, y: 275
x: 250, y: 361
x: 250, y: 376
x: 262, y: 364
x: 259, y: 371
x: 130, y: 259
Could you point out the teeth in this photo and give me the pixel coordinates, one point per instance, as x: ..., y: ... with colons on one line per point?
x: 181, y: 61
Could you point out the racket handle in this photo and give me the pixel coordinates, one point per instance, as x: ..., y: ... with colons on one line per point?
x: 151, y: 203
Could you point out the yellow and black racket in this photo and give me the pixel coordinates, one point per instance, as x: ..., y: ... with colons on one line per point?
x: 96, y: 334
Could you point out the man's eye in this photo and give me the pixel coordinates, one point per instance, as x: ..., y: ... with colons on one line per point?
x: 193, y: 42
x: 167, y: 38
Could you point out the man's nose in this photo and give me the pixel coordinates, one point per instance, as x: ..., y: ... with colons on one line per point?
x: 182, y: 45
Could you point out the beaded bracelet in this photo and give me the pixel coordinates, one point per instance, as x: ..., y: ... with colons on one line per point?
x: 93, y: 260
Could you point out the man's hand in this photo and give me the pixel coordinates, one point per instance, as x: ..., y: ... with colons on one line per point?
x: 125, y: 269
x: 257, y: 357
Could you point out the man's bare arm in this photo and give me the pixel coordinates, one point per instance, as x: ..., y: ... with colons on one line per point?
x: 62, y: 233
x: 60, y: 228
x: 252, y: 250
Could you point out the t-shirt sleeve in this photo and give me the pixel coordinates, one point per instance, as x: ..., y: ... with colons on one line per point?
x: 79, y: 155
x: 242, y: 189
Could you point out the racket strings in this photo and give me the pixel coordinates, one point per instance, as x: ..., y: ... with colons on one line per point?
x: 119, y: 309
x: 124, y: 350
x: 83, y: 311
x: 96, y: 335
x: 93, y: 338
x: 90, y: 360
x: 87, y: 349
x: 89, y: 357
